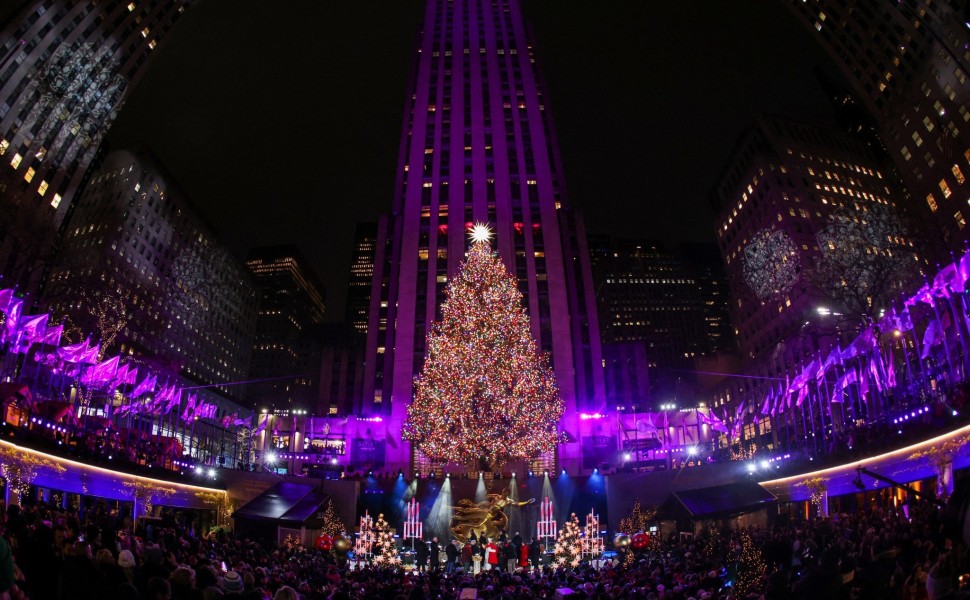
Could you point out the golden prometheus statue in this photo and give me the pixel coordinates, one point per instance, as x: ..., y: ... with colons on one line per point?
x: 484, y: 518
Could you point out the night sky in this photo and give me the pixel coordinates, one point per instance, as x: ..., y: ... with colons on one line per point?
x: 282, y: 119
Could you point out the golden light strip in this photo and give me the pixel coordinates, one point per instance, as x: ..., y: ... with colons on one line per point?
x: 84, y: 466
x: 848, y: 467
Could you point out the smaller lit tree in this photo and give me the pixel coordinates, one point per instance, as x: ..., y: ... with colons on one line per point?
x: 385, y: 550
x: 638, y: 519
x: 750, y: 566
x: 332, y: 525
x: 568, y: 546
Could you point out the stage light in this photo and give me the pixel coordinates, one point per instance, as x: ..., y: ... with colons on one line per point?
x: 765, y: 464
x: 212, y: 473
x: 627, y: 456
x: 270, y: 457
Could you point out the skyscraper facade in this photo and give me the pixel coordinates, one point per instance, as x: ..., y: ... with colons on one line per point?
x: 361, y: 275
x: 478, y: 145
x: 674, y: 301
x: 140, y: 270
x: 287, y: 351
x: 908, y: 64
x: 65, y: 71
x: 814, y: 247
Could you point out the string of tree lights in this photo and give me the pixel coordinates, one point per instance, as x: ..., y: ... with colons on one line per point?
x: 485, y: 393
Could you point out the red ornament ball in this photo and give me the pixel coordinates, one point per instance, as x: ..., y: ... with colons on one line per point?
x: 324, y: 542
x: 639, y: 541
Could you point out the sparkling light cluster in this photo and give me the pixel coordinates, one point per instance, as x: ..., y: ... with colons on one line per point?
x: 385, y: 550
x: 568, y: 546
x: 771, y: 265
x: 485, y: 393
x: 750, y: 567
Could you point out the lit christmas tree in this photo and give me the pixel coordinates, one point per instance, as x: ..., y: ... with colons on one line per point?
x: 568, y: 546
x: 385, y: 550
x: 332, y: 525
x: 485, y: 393
x: 638, y: 520
x: 750, y: 567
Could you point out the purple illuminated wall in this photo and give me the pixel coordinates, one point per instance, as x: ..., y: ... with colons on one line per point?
x: 478, y: 145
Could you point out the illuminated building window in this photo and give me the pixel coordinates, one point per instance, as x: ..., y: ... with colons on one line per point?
x: 29, y: 175
x: 4, y: 144
x: 131, y: 6
x: 42, y: 188
x: 56, y: 201
x: 928, y: 123
x: 961, y: 222
x: 917, y: 139
x: 932, y: 202
x: 144, y: 32
x: 945, y: 188
x: 15, y: 161
x: 904, y: 151
x: 958, y: 174
x: 152, y: 44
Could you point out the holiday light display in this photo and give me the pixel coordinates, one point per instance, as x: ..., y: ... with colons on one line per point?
x: 816, y: 487
x: 941, y: 457
x: 364, y: 546
x: 568, y: 549
x: 592, y: 541
x: 750, y: 566
x: 771, y: 265
x: 546, y: 528
x: 19, y: 468
x: 413, y: 527
x: 332, y: 525
x: 485, y: 393
x: 147, y: 493
x: 385, y: 549
x: 638, y: 519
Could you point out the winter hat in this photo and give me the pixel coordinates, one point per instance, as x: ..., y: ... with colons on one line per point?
x: 126, y: 559
x: 232, y: 582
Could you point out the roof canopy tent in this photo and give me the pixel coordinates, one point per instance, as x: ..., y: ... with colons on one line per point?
x: 297, y: 506
x: 716, y: 502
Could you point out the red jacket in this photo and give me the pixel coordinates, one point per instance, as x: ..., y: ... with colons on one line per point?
x: 492, y: 553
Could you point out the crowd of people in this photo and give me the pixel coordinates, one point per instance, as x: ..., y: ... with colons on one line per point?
x: 49, y: 553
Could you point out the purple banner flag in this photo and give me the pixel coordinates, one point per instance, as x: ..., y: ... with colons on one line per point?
x: 769, y: 400
x: 53, y: 336
x: 73, y: 353
x: 147, y: 386
x: 102, y: 373
x: 14, y: 309
x: 90, y: 356
x: 32, y: 329
x: 890, y: 363
x: 931, y: 337
x: 5, y: 297
x: 190, y: 405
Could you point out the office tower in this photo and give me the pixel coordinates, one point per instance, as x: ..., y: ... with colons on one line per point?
x: 287, y: 349
x: 793, y: 201
x: 361, y: 275
x: 65, y: 71
x: 342, y: 369
x: 908, y: 65
x: 140, y: 270
x: 673, y: 300
x: 478, y: 146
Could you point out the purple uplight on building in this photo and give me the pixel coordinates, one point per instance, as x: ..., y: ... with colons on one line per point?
x: 478, y: 145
